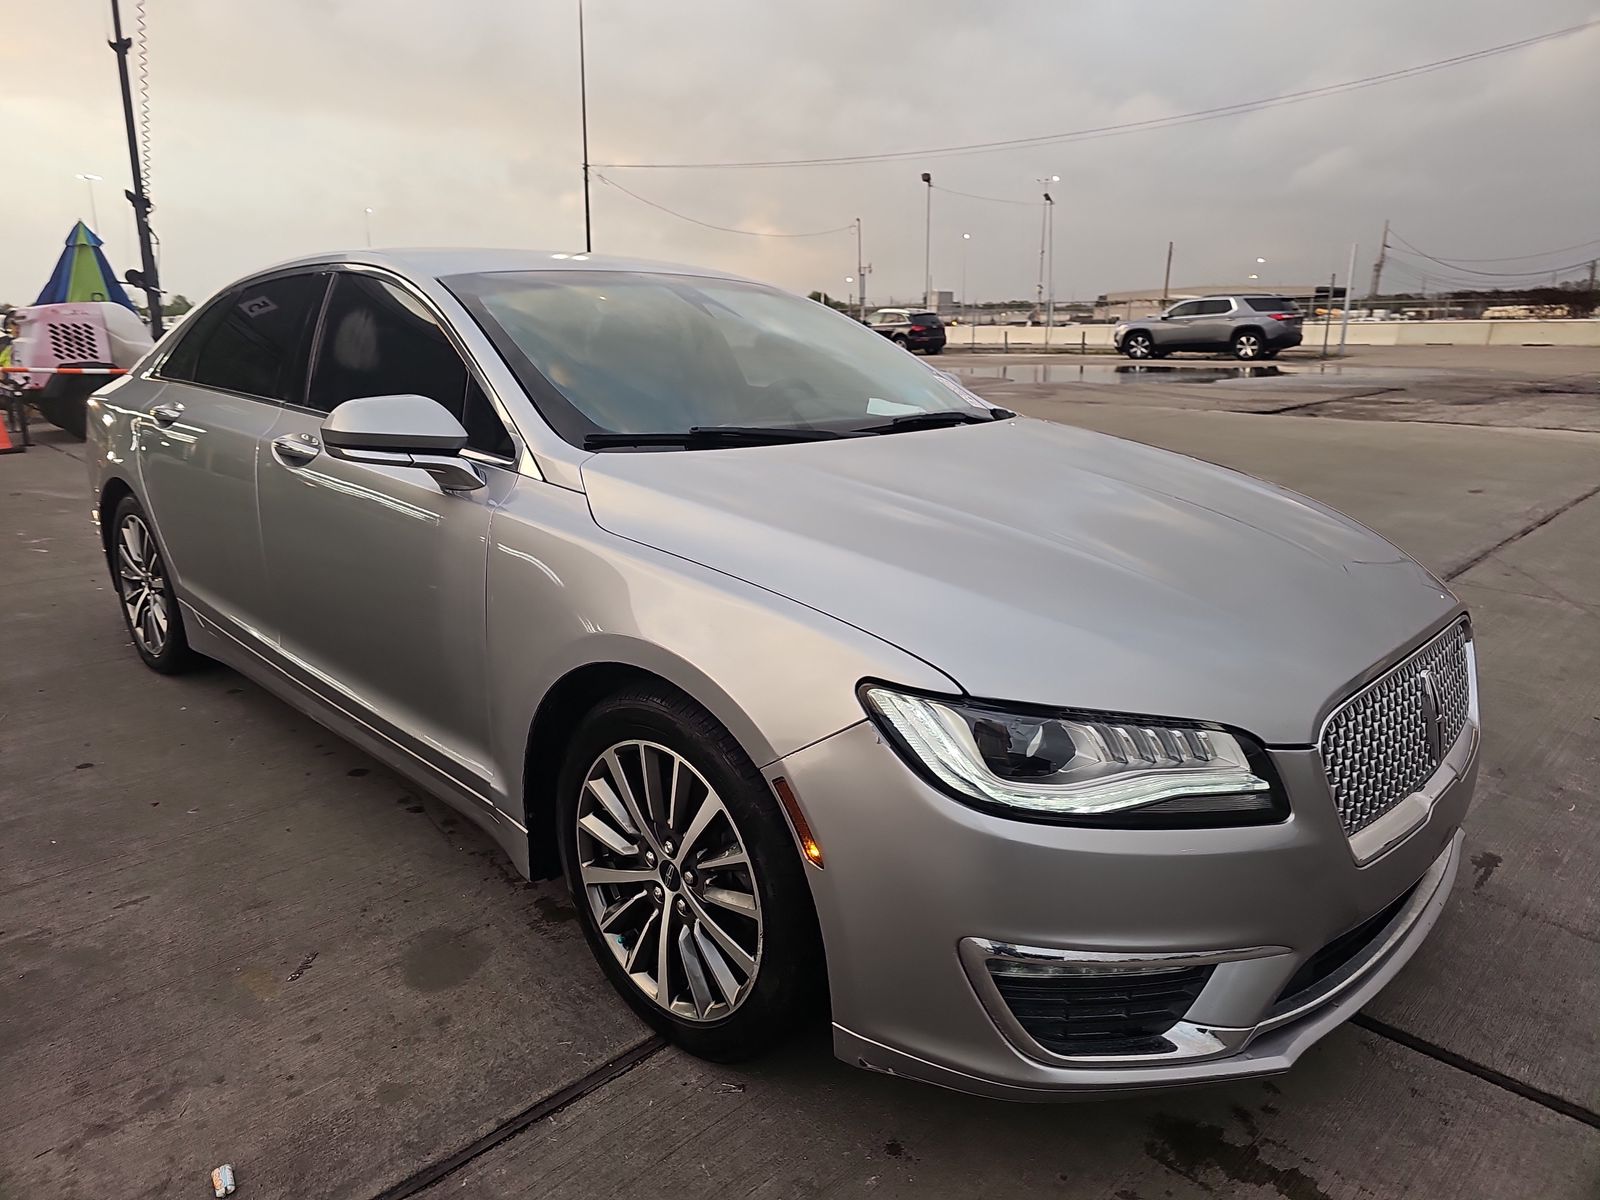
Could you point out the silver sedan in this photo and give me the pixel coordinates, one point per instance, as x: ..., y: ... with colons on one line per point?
x: 1044, y: 762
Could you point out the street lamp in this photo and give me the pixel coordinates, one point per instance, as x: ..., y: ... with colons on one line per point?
x: 89, y: 181
x: 927, y: 244
x: 966, y: 239
x: 366, y: 217
x: 850, y: 296
x: 1044, y: 223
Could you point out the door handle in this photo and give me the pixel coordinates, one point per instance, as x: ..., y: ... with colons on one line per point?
x: 166, y: 414
x: 296, y: 449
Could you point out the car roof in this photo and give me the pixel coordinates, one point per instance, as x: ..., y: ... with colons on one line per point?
x: 441, y: 262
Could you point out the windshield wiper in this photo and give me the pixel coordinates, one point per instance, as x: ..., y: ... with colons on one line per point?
x: 937, y: 420
x: 707, y: 436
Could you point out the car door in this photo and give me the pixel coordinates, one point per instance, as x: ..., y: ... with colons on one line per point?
x: 376, y: 575
x: 1174, y: 330
x: 203, y: 434
x: 1211, y: 327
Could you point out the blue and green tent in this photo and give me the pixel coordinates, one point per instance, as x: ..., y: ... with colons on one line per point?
x: 82, y: 273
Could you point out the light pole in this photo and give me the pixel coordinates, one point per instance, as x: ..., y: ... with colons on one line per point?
x: 148, y: 277
x: 927, y: 244
x: 850, y: 296
x: 366, y: 220
x: 89, y: 181
x: 966, y: 240
x: 1044, y: 217
x: 861, y: 274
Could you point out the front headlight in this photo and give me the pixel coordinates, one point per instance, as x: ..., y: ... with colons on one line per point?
x: 1079, y: 766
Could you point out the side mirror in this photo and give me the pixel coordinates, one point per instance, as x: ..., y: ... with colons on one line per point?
x: 401, y: 431
x: 1166, y: 316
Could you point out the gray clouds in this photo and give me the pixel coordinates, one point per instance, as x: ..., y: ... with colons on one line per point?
x: 276, y: 124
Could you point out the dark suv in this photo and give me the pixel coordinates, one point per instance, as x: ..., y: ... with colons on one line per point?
x: 1248, y: 327
x: 914, y: 330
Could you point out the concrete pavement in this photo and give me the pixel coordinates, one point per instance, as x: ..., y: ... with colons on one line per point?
x: 228, y: 936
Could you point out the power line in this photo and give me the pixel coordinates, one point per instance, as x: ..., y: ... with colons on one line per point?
x: 1533, y: 274
x: 990, y: 199
x: 1450, y: 262
x: 1204, y: 114
x: 720, y: 228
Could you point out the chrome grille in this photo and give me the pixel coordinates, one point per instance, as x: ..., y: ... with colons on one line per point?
x: 1378, y: 747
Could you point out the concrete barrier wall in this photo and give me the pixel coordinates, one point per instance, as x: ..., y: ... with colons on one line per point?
x: 1362, y: 333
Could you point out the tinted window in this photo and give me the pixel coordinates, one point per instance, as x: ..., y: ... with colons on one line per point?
x: 1187, y: 309
x: 253, y: 340
x: 1271, y: 304
x: 1209, y: 307
x: 925, y: 319
x: 379, y: 340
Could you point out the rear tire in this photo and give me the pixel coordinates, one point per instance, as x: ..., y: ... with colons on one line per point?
x: 744, y: 960
x: 900, y: 340
x: 1248, y: 345
x: 935, y: 350
x: 144, y: 587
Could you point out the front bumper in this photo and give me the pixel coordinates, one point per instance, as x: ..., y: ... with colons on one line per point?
x: 918, y: 889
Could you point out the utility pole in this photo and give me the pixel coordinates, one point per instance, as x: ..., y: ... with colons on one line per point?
x: 147, y: 277
x: 1327, y: 314
x: 927, y: 245
x: 1038, y: 294
x: 1377, y: 267
x: 861, y: 276
x: 583, y: 110
x: 1166, y: 280
x: 1592, y: 264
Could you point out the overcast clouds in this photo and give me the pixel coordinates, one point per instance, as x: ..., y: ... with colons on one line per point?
x: 276, y: 124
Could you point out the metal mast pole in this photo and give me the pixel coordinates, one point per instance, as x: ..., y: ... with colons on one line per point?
x: 583, y: 109
x: 1166, y: 280
x: 1377, y: 267
x: 1038, y: 295
x: 1349, y: 277
x: 148, y: 278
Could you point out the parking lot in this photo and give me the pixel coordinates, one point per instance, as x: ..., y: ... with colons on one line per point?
x: 229, y: 936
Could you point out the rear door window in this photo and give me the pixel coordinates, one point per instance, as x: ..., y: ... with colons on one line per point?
x: 254, y: 340
x: 380, y: 340
x: 1209, y: 308
x: 927, y: 318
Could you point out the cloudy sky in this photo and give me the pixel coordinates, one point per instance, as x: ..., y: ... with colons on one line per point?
x: 275, y: 125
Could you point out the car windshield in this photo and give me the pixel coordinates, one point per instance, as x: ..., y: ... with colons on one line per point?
x: 616, y: 352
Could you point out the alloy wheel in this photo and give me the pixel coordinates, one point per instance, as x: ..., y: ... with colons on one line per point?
x: 1138, y: 346
x: 668, y: 880
x: 1247, y: 345
x: 142, y: 582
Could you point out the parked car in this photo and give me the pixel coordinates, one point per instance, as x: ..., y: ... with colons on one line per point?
x: 1066, y: 764
x: 917, y: 331
x: 1248, y: 327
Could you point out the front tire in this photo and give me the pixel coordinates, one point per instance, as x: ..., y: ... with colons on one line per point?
x: 144, y: 587
x: 1248, y: 345
x: 687, y: 881
x: 1139, y: 346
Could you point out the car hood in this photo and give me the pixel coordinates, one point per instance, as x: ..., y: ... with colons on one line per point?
x: 1034, y: 562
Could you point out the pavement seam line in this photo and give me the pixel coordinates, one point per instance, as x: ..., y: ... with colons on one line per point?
x: 1482, y: 556
x: 1489, y: 1075
x: 1289, y: 408
x: 613, y: 1068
